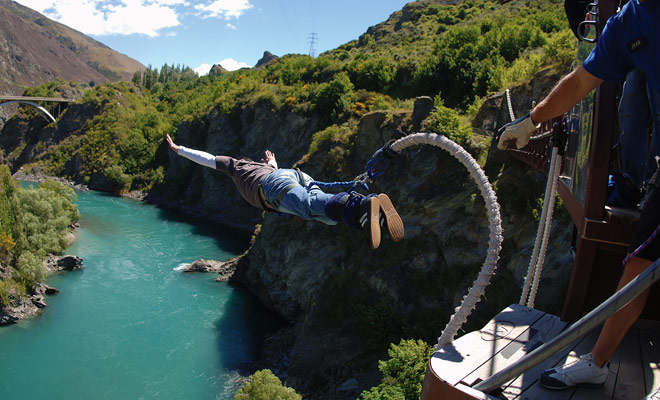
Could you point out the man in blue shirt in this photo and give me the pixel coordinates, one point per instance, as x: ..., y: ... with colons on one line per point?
x: 631, y: 39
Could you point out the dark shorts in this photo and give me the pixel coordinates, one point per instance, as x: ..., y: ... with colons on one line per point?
x: 648, y: 223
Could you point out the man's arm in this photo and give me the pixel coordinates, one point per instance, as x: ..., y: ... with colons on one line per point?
x: 568, y: 92
x: 200, y: 157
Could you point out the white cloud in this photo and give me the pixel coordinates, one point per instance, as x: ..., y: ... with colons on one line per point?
x: 232, y: 65
x: 203, y: 69
x: 228, y: 63
x: 232, y: 27
x: 107, y: 17
x: 224, y: 9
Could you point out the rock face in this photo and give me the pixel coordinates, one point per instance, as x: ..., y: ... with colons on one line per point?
x: 224, y: 269
x: 217, y: 69
x: 347, y: 302
x: 266, y: 59
x: 21, y: 307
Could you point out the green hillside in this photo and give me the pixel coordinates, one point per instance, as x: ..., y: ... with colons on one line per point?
x: 456, y: 53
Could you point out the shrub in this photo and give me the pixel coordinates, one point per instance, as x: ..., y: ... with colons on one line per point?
x: 30, y: 269
x: 341, y: 134
x: 447, y: 122
x: 115, y: 175
x: 264, y: 385
x: 371, y: 74
x: 560, y: 49
x: 403, y: 373
x: 333, y: 99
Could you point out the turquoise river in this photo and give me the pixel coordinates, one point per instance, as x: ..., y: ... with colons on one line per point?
x: 130, y: 324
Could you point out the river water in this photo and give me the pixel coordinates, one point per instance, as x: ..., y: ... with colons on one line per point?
x: 130, y: 324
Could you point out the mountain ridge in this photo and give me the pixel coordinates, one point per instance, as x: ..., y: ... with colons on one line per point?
x: 35, y: 49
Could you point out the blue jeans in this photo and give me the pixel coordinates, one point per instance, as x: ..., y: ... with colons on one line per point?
x: 639, y: 103
x: 307, y: 204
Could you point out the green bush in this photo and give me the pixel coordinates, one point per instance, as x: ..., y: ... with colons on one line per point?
x: 264, y: 385
x: 30, y: 269
x: 403, y: 373
x: 447, y: 122
x: 333, y: 99
x: 371, y: 74
x: 33, y: 222
x: 115, y: 175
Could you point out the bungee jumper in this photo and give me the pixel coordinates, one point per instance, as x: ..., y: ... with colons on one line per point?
x: 291, y: 191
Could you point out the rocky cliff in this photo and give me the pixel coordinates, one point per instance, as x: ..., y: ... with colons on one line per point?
x: 344, y: 301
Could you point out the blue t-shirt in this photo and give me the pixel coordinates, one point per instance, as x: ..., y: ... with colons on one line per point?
x: 630, y: 39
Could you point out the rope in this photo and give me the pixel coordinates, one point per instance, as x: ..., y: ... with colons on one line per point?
x: 508, y: 102
x: 641, y: 246
x: 495, y: 226
x: 547, y: 225
x: 545, y: 222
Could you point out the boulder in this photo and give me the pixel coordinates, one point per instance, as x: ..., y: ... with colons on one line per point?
x: 70, y: 263
x: 54, y: 263
x: 224, y: 269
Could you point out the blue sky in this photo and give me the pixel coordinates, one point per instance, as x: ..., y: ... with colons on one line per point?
x: 233, y: 33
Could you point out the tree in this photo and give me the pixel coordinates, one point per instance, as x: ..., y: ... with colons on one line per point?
x: 264, y: 385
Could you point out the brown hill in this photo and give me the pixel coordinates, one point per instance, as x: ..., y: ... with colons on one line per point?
x: 35, y: 49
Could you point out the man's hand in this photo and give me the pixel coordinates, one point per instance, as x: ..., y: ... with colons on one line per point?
x: 270, y: 159
x: 171, y: 143
x: 269, y: 156
x: 519, y: 130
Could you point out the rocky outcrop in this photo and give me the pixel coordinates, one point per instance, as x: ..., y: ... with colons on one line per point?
x: 217, y: 69
x: 224, y: 269
x: 267, y: 59
x: 21, y: 307
x: 62, y: 263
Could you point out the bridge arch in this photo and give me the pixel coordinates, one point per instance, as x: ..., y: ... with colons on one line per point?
x: 42, y: 110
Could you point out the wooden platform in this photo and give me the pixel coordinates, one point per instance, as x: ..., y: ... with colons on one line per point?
x: 516, y: 331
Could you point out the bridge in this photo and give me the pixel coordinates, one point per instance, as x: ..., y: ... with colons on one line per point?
x: 4, y: 100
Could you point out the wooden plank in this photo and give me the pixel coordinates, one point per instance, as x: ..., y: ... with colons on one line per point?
x: 540, y: 332
x: 608, y: 232
x: 469, y: 352
x: 650, y: 349
x: 630, y: 377
x: 579, y: 347
x: 610, y: 384
x: 574, y: 207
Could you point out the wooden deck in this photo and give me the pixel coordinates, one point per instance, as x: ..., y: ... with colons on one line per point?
x: 516, y: 331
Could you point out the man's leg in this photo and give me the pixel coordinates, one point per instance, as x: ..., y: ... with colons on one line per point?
x: 592, y: 369
x: 616, y: 327
x: 367, y: 212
